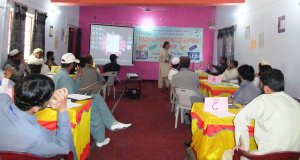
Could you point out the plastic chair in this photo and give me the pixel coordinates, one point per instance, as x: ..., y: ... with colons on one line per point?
x: 94, y: 88
x: 286, y: 155
x: 110, y: 81
x: 183, y: 102
x: 11, y: 155
x: 172, y: 98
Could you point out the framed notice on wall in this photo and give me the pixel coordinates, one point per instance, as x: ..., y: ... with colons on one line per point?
x: 281, y: 24
x: 247, y: 32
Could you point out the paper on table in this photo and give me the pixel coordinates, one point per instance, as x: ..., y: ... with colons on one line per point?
x: 223, y: 114
x: 72, y: 105
x: 78, y: 96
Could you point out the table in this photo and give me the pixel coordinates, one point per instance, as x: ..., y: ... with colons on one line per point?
x: 217, y: 89
x: 133, y: 88
x: 212, y: 135
x: 203, y: 76
x: 80, y: 123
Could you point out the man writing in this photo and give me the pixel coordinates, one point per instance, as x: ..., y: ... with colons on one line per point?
x: 276, y: 116
x: 101, y: 117
x: 20, y: 130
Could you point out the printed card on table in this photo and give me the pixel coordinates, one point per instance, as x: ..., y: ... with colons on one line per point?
x: 214, y: 79
x: 216, y: 104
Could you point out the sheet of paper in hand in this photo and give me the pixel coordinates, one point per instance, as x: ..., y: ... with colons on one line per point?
x: 78, y: 96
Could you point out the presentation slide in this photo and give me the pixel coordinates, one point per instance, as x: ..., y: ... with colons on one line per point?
x: 106, y: 40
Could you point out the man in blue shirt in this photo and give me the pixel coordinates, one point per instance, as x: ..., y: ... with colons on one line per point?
x: 20, y: 130
x: 101, y: 116
x: 248, y: 90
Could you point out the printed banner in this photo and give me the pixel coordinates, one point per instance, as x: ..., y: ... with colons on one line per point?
x: 184, y: 42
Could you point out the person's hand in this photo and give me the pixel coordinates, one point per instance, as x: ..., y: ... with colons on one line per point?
x: 58, y: 100
x: 230, y: 100
x: 22, y: 61
x: 78, y: 73
x: 8, y: 73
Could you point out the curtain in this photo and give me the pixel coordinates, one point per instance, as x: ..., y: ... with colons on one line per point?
x: 38, y: 36
x: 225, y: 43
x: 18, y: 27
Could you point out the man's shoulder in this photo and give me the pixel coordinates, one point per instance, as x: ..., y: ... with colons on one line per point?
x: 5, y: 98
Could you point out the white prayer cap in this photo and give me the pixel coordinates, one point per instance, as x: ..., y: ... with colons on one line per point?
x: 263, y: 63
x: 14, y: 52
x: 69, y: 58
x: 37, y: 50
x: 175, y: 60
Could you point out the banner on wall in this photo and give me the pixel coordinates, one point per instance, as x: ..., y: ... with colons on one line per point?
x: 184, y: 42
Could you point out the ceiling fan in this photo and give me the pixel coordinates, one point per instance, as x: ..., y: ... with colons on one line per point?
x: 150, y: 9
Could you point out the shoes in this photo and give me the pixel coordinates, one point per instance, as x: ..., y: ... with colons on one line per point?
x: 118, y: 126
x: 105, y: 142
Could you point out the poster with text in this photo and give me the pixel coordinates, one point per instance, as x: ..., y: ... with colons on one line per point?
x: 184, y: 42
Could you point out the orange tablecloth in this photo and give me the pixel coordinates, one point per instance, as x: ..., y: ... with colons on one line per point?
x: 203, y: 76
x: 80, y: 122
x: 217, y: 89
x: 212, y: 135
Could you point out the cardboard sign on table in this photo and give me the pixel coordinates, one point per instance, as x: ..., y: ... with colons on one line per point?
x: 216, y: 104
x: 214, y: 79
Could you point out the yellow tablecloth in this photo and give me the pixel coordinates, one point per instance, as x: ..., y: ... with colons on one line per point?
x: 218, y: 89
x: 212, y: 135
x: 80, y: 122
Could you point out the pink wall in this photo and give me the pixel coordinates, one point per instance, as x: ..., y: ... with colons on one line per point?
x: 133, y: 16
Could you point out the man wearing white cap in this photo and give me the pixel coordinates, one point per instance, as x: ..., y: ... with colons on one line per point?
x: 175, y: 64
x: 16, y: 63
x: 36, y: 62
x: 101, y: 116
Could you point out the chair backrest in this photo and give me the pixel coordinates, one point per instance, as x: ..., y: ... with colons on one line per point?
x: 184, y: 96
x: 94, y: 88
x: 111, y: 77
x: 11, y: 155
x: 286, y: 155
x: 35, y: 68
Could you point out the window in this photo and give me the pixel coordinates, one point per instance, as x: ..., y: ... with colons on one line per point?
x: 28, y: 33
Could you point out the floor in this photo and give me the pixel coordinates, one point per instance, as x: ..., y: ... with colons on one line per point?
x: 152, y: 135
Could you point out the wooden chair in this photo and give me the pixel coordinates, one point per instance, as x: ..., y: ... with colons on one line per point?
x: 11, y: 155
x: 286, y: 155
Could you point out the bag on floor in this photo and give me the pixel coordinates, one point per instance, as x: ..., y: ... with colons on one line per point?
x: 187, y: 118
x: 189, y: 153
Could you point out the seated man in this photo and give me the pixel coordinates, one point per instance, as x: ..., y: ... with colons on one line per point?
x: 220, y: 68
x: 113, y: 65
x: 276, y: 117
x: 185, y: 78
x: 20, y: 131
x: 36, y: 62
x: 248, y: 90
x: 231, y: 72
x: 50, y: 59
x: 17, y: 64
x: 90, y: 74
x: 101, y: 116
x: 5, y: 83
x: 175, y: 64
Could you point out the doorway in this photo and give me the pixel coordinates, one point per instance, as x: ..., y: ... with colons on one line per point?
x: 74, y: 41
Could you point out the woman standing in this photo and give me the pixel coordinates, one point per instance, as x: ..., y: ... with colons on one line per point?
x: 164, y: 58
